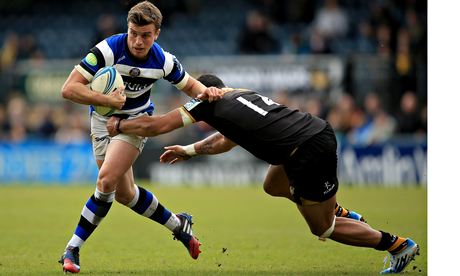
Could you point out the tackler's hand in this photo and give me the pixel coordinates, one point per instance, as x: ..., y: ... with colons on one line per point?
x: 113, y: 126
x: 211, y: 94
x: 174, y: 154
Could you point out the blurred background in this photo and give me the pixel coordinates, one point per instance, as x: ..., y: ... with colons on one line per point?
x: 360, y: 64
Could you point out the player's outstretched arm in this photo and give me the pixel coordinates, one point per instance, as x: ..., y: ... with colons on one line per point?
x: 146, y: 126
x: 213, y: 144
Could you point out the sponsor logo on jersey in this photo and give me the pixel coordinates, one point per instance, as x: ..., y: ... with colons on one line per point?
x: 135, y: 72
x: 135, y: 86
x: 91, y: 59
x: 191, y: 104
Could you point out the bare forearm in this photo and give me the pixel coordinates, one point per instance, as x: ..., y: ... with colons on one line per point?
x: 148, y: 126
x: 193, y: 88
x: 214, y: 144
x: 75, y: 89
x: 139, y: 126
x: 80, y: 93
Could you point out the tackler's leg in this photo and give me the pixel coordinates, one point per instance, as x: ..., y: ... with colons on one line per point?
x: 323, y: 223
x: 276, y: 182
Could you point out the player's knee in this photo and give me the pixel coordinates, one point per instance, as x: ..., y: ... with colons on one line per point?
x: 274, y: 189
x: 106, y: 181
x: 269, y: 189
x: 278, y: 191
x: 317, y: 231
x: 323, y: 231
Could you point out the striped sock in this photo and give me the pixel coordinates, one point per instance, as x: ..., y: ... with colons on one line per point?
x: 398, y: 245
x: 391, y: 243
x: 95, y: 209
x: 340, y: 211
x: 146, y: 204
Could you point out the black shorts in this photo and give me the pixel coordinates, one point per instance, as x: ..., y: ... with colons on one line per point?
x: 312, y: 169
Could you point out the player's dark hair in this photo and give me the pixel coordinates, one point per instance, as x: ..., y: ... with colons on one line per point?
x: 145, y: 13
x: 211, y: 80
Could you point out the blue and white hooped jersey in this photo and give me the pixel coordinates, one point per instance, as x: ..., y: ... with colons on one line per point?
x: 138, y: 76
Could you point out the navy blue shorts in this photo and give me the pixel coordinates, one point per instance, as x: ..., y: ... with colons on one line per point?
x: 312, y: 169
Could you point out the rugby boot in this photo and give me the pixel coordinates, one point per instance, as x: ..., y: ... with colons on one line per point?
x: 184, y: 234
x: 401, y: 257
x: 70, y: 260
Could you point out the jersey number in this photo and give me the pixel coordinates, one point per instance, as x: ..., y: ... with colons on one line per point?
x: 256, y: 108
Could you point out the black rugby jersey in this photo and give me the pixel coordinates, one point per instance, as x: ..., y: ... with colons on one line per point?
x: 268, y: 130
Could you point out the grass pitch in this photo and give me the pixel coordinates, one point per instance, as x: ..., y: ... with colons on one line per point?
x: 243, y: 231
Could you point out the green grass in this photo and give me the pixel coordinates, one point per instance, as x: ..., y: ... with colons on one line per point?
x: 261, y: 235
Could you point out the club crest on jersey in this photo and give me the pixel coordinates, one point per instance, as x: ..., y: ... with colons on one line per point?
x: 191, y: 104
x: 135, y: 72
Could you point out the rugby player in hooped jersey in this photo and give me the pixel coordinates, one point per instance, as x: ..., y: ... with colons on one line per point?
x: 141, y: 62
x: 300, y: 148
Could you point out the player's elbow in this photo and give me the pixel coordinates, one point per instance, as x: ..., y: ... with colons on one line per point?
x: 66, y: 92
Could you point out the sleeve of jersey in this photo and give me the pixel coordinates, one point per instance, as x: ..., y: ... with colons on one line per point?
x: 193, y: 111
x: 99, y: 56
x: 174, y: 72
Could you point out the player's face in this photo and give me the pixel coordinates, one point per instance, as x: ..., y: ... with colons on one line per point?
x: 141, y: 38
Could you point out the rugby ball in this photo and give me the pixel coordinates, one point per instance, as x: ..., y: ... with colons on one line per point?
x: 106, y: 80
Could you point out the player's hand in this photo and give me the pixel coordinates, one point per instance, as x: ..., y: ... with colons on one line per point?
x: 117, y: 98
x: 112, y: 126
x: 174, y: 154
x: 211, y: 94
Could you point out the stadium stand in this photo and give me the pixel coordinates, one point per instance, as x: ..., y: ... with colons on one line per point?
x: 383, y: 46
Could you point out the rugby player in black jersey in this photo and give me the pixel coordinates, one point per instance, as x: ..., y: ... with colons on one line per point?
x: 300, y: 148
